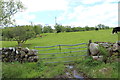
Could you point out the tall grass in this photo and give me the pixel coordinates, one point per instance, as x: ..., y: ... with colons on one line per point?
x: 17, y: 70
x: 98, y: 69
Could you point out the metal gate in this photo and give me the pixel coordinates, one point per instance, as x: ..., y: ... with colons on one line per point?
x: 62, y: 53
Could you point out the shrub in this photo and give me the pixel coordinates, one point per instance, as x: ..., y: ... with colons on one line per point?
x: 104, y: 52
x: 90, y: 62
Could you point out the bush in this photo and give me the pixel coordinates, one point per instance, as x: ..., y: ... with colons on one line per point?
x: 105, y: 53
x: 90, y: 62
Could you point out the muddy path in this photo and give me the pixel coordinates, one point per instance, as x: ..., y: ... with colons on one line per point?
x: 72, y: 72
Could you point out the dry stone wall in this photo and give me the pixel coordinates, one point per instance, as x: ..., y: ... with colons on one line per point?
x: 19, y: 54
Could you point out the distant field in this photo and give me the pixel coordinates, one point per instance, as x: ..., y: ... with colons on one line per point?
x: 67, y: 38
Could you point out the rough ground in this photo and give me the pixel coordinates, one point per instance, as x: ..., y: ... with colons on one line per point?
x: 71, y: 72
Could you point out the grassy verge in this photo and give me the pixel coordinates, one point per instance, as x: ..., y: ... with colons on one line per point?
x: 31, y: 70
x: 25, y: 70
x: 98, y: 69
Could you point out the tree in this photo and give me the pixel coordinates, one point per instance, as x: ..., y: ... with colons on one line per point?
x: 68, y: 29
x: 92, y: 28
x: 37, y: 29
x: 106, y: 27
x: 19, y: 33
x: 59, y: 28
x: 87, y: 28
x: 7, y: 9
x: 101, y: 26
x: 47, y: 29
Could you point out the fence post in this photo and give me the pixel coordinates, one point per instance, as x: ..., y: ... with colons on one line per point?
x: 88, y: 50
x: 60, y: 48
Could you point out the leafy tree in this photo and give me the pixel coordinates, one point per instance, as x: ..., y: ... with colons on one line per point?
x: 74, y: 29
x: 7, y: 33
x: 92, y: 28
x: 19, y: 33
x: 81, y: 29
x: 68, y: 29
x: 87, y: 28
x: 37, y: 29
x: 47, y: 29
x: 59, y: 28
x: 106, y: 27
x: 7, y: 9
x: 99, y: 26
x: 102, y: 26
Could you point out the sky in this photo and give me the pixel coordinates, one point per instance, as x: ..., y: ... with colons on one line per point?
x: 69, y: 12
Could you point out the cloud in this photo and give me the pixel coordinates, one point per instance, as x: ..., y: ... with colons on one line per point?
x: 38, y: 6
x: 75, y: 12
x: 88, y: 2
x: 24, y: 18
x: 104, y: 13
x: 43, y: 5
x: 22, y: 22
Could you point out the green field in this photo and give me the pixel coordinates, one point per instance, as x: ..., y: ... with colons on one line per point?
x: 32, y: 70
x: 67, y: 38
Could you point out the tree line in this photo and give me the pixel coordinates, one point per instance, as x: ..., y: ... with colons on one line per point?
x: 60, y: 28
x: 22, y: 33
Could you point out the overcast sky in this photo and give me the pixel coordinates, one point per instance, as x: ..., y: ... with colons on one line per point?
x: 69, y: 12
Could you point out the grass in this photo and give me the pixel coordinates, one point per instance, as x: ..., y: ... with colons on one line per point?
x: 98, y: 69
x: 17, y: 70
x: 67, y: 38
x: 118, y: 36
x: 31, y: 70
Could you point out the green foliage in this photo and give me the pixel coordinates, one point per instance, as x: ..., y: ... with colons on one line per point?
x: 104, y: 52
x: 7, y: 33
x: 75, y: 29
x: 90, y: 62
x: 18, y: 70
x: 87, y: 28
x: 68, y: 29
x: 7, y: 9
x: 18, y: 33
x: 59, y: 28
x: 102, y: 26
x: 37, y: 29
x: 98, y: 69
x: 47, y: 29
x: 118, y: 36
